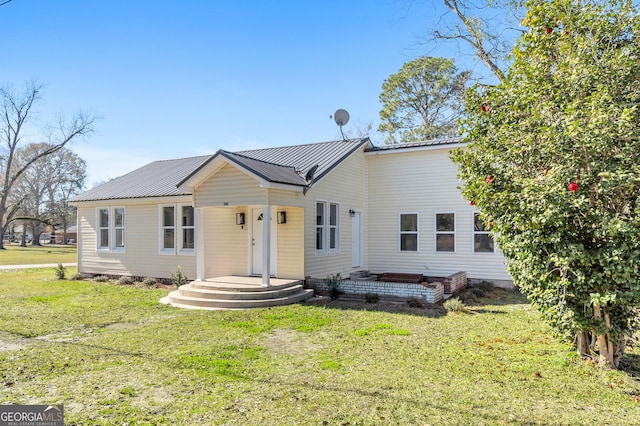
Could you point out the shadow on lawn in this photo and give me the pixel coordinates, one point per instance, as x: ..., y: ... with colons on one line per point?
x: 494, y: 298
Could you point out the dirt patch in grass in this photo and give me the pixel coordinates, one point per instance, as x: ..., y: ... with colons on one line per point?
x: 291, y: 342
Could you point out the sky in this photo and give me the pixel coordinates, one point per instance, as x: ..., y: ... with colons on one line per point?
x: 173, y: 79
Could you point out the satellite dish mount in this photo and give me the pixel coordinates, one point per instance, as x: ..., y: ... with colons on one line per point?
x: 341, y: 118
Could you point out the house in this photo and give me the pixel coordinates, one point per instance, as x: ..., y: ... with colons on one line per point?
x: 332, y: 207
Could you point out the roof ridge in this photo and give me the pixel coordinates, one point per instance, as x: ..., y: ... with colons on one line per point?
x: 256, y: 159
x: 306, y: 144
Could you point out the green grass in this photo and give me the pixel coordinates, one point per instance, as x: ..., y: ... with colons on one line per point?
x: 48, y: 253
x: 112, y: 355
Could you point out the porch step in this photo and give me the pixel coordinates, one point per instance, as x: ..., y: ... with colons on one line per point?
x: 205, y: 295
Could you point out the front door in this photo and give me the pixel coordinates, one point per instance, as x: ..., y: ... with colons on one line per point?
x: 257, y: 239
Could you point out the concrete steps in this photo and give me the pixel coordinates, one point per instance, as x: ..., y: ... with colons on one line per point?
x: 236, y: 294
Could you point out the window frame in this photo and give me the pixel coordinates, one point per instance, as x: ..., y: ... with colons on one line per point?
x: 178, y: 229
x: 112, y: 229
x: 401, y: 232
x: 484, y: 232
x: 436, y: 232
x: 99, y: 243
x: 336, y: 227
x: 321, y: 229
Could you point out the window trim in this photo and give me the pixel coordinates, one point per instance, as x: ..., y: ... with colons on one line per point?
x: 436, y: 232
x: 111, y: 229
x: 474, y: 233
x: 326, y: 227
x: 181, y: 227
x: 116, y: 228
x: 335, y: 249
x: 99, y: 246
x: 325, y: 243
x: 416, y: 232
x: 178, y: 240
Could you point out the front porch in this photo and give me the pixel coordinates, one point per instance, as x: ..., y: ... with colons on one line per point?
x: 237, y: 292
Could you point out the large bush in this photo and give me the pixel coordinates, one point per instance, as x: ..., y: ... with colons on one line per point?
x: 552, y: 163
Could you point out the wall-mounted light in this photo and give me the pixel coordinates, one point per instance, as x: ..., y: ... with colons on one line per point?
x: 282, y: 217
x: 239, y: 218
x: 352, y: 212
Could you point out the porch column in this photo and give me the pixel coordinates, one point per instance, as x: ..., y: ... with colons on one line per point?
x: 266, y: 245
x: 199, y: 236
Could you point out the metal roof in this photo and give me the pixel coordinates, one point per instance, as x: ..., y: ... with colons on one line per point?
x: 270, y: 172
x: 157, y: 179
x: 398, y: 146
x: 288, y: 165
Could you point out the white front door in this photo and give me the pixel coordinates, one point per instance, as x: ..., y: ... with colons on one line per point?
x: 257, y: 239
x: 356, y: 240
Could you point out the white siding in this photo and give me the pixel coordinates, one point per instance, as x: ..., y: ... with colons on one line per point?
x: 345, y: 185
x: 231, y: 186
x: 226, y: 249
x: 424, y: 182
x: 141, y: 257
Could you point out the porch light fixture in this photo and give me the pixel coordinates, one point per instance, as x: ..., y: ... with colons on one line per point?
x: 282, y: 217
x: 352, y: 212
x: 239, y: 218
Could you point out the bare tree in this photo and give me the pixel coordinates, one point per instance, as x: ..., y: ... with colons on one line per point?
x: 488, y: 27
x: 16, y: 109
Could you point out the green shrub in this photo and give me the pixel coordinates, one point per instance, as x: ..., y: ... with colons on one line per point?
x: 76, y: 277
x: 124, y: 280
x: 414, y: 302
x: 178, y: 279
x: 487, y: 286
x: 101, y: 278
x: 371, y: 297
x: 149, y: 282
x: 454, y: 305
x: 332, y: 282
x: 60, y: 271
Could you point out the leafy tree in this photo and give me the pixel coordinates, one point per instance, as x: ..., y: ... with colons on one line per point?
x: 15, y: 112
x: 422, y: 100
x: 552, y: 164
x: 44, y: 188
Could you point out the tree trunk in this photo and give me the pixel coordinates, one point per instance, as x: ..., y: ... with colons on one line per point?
x: 583, y: 343
x: 606, y: 347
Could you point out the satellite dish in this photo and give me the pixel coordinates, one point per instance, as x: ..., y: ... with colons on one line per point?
x: 341, y: 117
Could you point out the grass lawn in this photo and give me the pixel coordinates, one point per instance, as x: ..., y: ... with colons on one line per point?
x: 113, y: 355
x: 47, y: 253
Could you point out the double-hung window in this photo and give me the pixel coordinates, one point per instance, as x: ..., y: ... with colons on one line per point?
x: 327, y: 227
x: 334, y: 234
x: 103, y: 229
x: 445, y: 232
x: 408, y: 231
x: 111, y: 235
x: 177, y: 229
x: 482, y: 240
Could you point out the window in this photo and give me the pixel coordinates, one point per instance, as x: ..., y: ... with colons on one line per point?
x: 118, y: 219
x: 177, y: 229
x: 103, y: 229
x: 445, y: 232
x: 320, y: 226
x: 408, y: 231
x: 168, y: 238
x: 482, y: 241
x: 327, y: 227
x: 333, y: 227
x: 188, y: 229
x: 111, y: 229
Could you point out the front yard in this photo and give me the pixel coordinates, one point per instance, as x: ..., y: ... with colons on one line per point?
x: 47, y: 253
x: 113, y: 355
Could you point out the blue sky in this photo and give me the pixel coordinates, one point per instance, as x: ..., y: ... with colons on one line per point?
x: 174, y: 79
